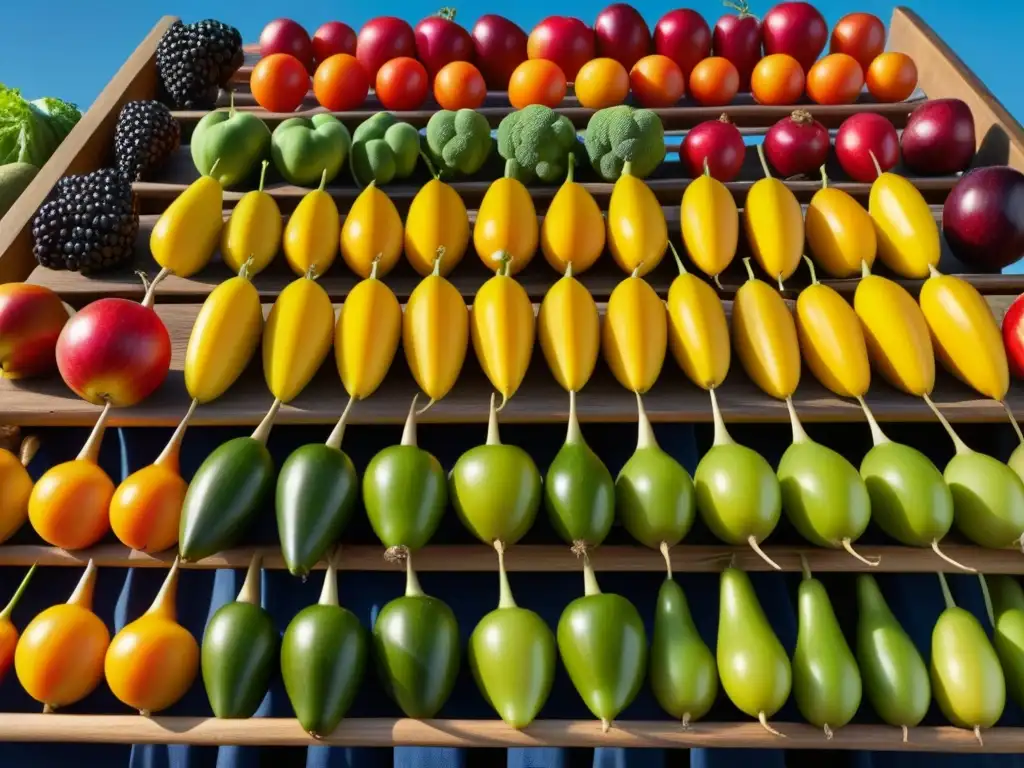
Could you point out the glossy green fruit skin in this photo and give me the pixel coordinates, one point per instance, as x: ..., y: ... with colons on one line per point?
x: 909, y: 499
x: 323, y: 655
x: 495, y: 490
x: 826, y: 681
x: 895, y: 677
x: 1016, y: 461
x: 225, y: 493
x: 823, y: 495
x: 512, y: 656
x: 968, y: 682
x: 405, y: 493
x: 752, y: 664
x: 316, y: 492
x: 579, y: 494
x: 304, y: 147
x: 738, y: 494
x: 1008, y: 637
x: 238, y: 657
x: 603, y: 646
x: 236, y: 142
x: 683, y: 673
x: 655, y: 498
x: 416, y: 644
x: 988, y: 500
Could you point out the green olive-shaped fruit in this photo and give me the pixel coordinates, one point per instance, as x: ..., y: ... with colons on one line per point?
x: 1016, y: 461
x: 495, y: 490
x: 738, y: 494
x: 988, y: 500
x: 968, y: 682
x: 655, y: 498
x: 405, y: 493
x: 238, y: 657
x: 1008, y: 637
x: 823, y: 495
x: 579, y: 494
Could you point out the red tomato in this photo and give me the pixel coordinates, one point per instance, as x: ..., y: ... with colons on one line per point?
x: 402, y: 84
x: 340, y: 83
x: 279, y: 82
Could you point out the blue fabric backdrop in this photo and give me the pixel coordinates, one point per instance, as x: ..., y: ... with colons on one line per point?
x: 123, y: 594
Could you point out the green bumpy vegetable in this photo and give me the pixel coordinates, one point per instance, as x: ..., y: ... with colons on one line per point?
x: 536, y: 143
x: 617, y: 135
x: 459, y: 142
x: 383, y: 149
x: 30, y: 131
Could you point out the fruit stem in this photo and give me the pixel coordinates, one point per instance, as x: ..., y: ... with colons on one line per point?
x: 375, y: 266
x: 409, y: 433
x: 874, y: 160
x: 28, y: 450
x: 262, y: 432
x: 570, y: 172
x: 810, y: 266
x: 169, y: 455
x: 505, y: 599
x: 329, y: 593
x: 707, y: 167
x: 988, y: 600
x: 338, y: 433
x: 950, y: 560
x: 960, y: 445
x: 91, y: 450
x: 750, y: 269
x: 323, y: 181
x: 412, y: 583
x: 722, y: 436
x: 163, y: 603
x: 150, y: 297
x: 573, y: 434
x: 627, y: 169
x: 263, y: 166
x: 430, y: 165
x: 679, y: 261
x: 245, y: 271
x: 250, y: 592
x: 644, y: 431
x: 763, y: 720
x: 568, y: 270
x: 805, y: 568
x: 493, y: 436
x: 799, y: 435
x: 947, y: 596
x: 824, y: 180
x: 760, y: 552
x: 877, y: 435
x: 869, y: 561
x: 764, y: 162
x: 590, y: 587
x: 5, y: 614
x: 1006, y: 407
x: 668, y: 558
x: 447, y: 13
x: 82, y: 596
x: 436, y: 270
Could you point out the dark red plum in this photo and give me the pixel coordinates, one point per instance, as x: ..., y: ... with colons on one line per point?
x: 983, y: 218
x: 939, y: 138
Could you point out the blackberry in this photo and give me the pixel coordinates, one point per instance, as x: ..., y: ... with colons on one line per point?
x: 196, y: 60
x: 145, y: 137
x: 88, y: 224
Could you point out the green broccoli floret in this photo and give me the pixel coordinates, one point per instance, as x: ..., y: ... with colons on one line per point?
x: 537, y: 142
x: 617, y: 135
x: 458, y: 142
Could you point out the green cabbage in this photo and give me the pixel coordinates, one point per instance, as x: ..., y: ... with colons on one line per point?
x: 30, y: 131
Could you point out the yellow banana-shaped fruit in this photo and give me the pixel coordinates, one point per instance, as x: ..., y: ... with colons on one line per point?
x: 437, y: 223
x: 634, y: 335
x: 908, y: 236
x: 637, y: 232
x: 569, y: 329
x: 832, y: 340
x: 698, y: 333
x: 839, y: 231
x: 506, y: 225
x: 188, y: 231
x: 503, y: 330
x: 764, y: 337
x: 366, y: 337
x: 311, y: 235
x: 224, y: 337
x: 371, y: 237
x: 573, y: 230
x: 710, y: 223
x: 297, y: 337
x: 252, y: 233
x: 435, y: 333
x: 774, y: 225
x: 965, y: 335
x: 896, y: 333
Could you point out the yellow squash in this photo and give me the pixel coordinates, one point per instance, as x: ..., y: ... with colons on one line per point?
x: 297, y: 337
x: 224, y: 337
x: 634, y: 334
x: 569, y: 331
x: 506, y: 229
x: 710, y: 224
x: 437, y: 223
x: 908, y: 236
x: 774, y: 225
x: 896, y: 333
x: 311, y: 235
x: 188, y: 231
x: 573, y: 230
x: 253, y: 231
x: 17, y: 487
x: 637, y: 232
x: 764, y: 337
x: 839, y: 231
x: 698, y: 333
x: 371, y: 237
x: 435, y: 333
x: 366, y: 337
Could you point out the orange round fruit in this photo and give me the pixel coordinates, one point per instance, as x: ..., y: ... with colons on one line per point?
x: 861, y: 35
x: 835, y: 79
x: 402, y: 84
x: 714, y: 81
x: 778, y: 79
x: 279, y: 82
x: 892, y: 77
x: 536, y: 81
x: 459, y: 85
x: 601, y: 83
x: 657, y: 81
x: 340, y: 83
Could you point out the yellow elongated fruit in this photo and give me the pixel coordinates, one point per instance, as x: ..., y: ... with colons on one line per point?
x: 573, y: 231
x: 832, y: 340
x: 224, y: 337
x: 698, y: 333
x: 371, y: 237
x: 503, y: 330
x: 435, y: 333
x: 774, y: 225
x: 908, y: 236
x: 437, y: 223
x: 634, y: 334
x: 569, y: 329
x: 311, y: 235
x: 637, y: 232
x: 366, y: 336
x: 764, y: 337
x: 188, y: 231
x: 253, y: 231
x: 896, y: 333
x: 840, y: 233
x: 710, y: 224
x: 506, y: 230
x: 297, y: 337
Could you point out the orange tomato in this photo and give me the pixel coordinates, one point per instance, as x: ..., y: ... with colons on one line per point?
x: 778, y: 79
x: 279, y: 82
x: 601, y: 83
x: 536, y: 81
x: 657, y: 81
x: 861, y: 35
x: 402, y: 84
x: 340, y: 83
x: 714, y: 81
x: 459, y: 85
x: 835, y: 79
x: 892, y: 77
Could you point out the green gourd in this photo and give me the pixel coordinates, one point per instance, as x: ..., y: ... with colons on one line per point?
x: 1008, y: 636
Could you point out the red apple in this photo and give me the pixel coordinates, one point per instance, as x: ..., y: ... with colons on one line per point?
x: 287, y: 36
x: 622, y: 34
x: 31, y: 319
x: 737, y: 37
x: 382, y: 39
x: 332, y: 38
x: 861, y: 136
x: 500, y: 47
x: 440, y: 41
x: 684, y: 37
x: 798, y: 29
x: 565, y: 40
x: 1013, y: 336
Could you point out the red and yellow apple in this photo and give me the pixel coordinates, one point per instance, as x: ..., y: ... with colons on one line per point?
x: 31, y: 319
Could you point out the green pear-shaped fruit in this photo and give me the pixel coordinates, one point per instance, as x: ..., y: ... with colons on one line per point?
x: 1016, y: 461
x: 235, y: 142
x: 1008, y: 637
